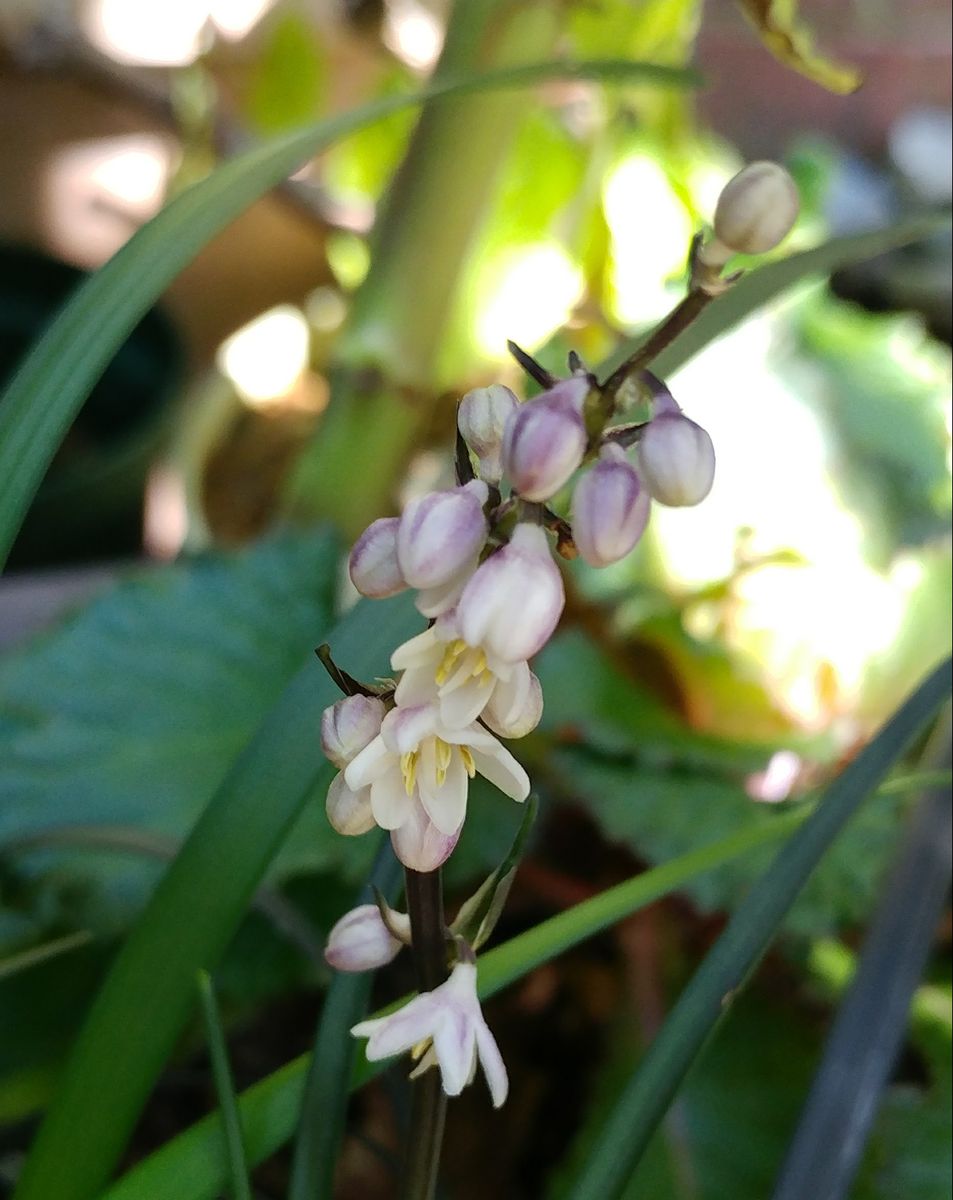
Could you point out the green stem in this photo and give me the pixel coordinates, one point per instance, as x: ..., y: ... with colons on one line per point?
x: 386, y: 383
x: 429, y: 1105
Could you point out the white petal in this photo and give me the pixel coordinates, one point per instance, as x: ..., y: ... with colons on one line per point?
x: 447, y: 805
x: 435, y: 601
x: 389, y: 800
x: 401, y: 1030
x: 417, y: 686
x: 405, y: 728
x: 349, y: 811
x: 417, y: 650
x: 492, y: 1063
x: 503, y: 771
x: 454, y: 1042
x: 369, y: 765
x: 462, y: 705
x: 419, y: 844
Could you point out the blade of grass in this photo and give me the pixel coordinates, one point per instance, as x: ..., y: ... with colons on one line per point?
x: 327, y: 1085
x: 862, y: 1046
x: 225, y: 1090
x: 186, y: 1166
x: 26, y: 959
x: 708, y: 996
x: 761, y: 286
x: 58, y: 373
x: 134, y: 1022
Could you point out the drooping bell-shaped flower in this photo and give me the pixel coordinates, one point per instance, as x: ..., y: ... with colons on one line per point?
x: 360, y: 941
x: 373, y: 565
x: 545, y: 440
x: 449, y: 1022
x: 610, y: 508
x: 676, y: 457
x: 513, y: 601
x: 481, y: 419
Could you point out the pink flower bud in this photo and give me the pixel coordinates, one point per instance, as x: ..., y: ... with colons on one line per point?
x: 373, y: 565
x: 440, y: 533
x: 481, y: 419
x: 676, y: 459
x: 756, y: 209
x: 361, y: 941
x: 350, y: 725
x: 610, y: 509
x: 419, y: 844
x: 545, y: 440
x: 349, y: 812
x: 515, y: 705
x: 513, y: 601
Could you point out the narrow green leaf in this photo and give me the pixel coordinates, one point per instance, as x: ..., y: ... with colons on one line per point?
x: 225, y: 1089
x: 708, y: 996
x: 186, y: 1167
x: 327, y: 1086
x: 761, y: 286
x: 790, y: 41
x: 134, y: 1022
x: 65, y: 363
x: 26, y: 959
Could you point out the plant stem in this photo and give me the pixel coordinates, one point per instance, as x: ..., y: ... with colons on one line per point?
x: 677, y: 320
x: 429, y: 1105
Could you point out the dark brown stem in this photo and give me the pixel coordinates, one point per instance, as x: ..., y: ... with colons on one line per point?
x: 429, y: 1105
x: 678, y: 319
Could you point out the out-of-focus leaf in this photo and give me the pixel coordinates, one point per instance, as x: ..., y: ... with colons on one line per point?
x: 791, y: 43
x: 131, y: 714
x: 27, y: 959
x: 287, y: 77
x: 225, y: 1088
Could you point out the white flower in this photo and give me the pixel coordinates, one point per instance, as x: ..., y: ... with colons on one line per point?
x: 361, y: 941
x: 416, y: 759
x: 512, y: 603
x: 438, y: 665
x: 450, y: 1019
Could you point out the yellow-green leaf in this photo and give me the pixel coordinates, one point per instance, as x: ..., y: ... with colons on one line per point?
x: 791, y: 43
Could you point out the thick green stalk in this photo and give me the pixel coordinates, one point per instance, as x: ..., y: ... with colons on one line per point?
x: 385, y: 383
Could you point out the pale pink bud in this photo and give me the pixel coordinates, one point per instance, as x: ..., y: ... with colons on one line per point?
x: 419, y: 844
x: 361, y: 941
x: 373, y: 565
x: 515, y: 705
x: 481, y: 419
x: 610, y: 509
x: 349, y: 811
x: 545, y: 440
x: 348, y: 726
x: 513, y: 601
x: 756, y: 209
x: 440, y: 533
x: 676, y: 459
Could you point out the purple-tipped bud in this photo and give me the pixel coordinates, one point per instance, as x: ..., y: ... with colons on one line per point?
x: 756, y: 209
x: 513, y: 601
x: 361, y: 941
x: 350, y: 725
x: 610, y: 509
x: 373, y: 564
x: 420, y: 845
x: 441, y: 533
x: 676, y: 458
x: 545, y: 440
x: 515, y: 706
x: 481, y: 419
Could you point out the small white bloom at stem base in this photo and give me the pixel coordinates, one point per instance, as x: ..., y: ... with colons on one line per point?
x: 440, y: 533
x: 481, y: 419
x: 676, y: 457
x: 348, y: 726
x: 450, y: 1019
x: 545, y: 440
x: 513, y: 601
x: 755, y: 212
x: 610, y: 509
x: 372, y: 563
x: 360, y: 941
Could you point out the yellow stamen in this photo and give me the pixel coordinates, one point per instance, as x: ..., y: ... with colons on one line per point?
x: 408, y: 769
x: 448, y: 662
x: 418, y: 1051
x: 479, y: 666
x: 467, y: 760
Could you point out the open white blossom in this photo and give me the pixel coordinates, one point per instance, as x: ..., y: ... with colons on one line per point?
x: 447, y: 1026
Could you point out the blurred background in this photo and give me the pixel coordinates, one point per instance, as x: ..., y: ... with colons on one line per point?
x: 723, y: 669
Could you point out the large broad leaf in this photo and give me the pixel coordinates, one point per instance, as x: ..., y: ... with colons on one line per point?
x: 59, y: 372
x: 131, y: 714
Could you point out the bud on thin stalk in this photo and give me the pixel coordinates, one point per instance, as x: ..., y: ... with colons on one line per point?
x: 610, y: 509
x: 676, y: 459
x: 440, y: 533
x: 373, y: 565
x: 755, y: 212
x: 545, y: 440
x: 481, y: 419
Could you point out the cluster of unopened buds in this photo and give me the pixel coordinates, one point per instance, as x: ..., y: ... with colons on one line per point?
x: 479, y: 557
